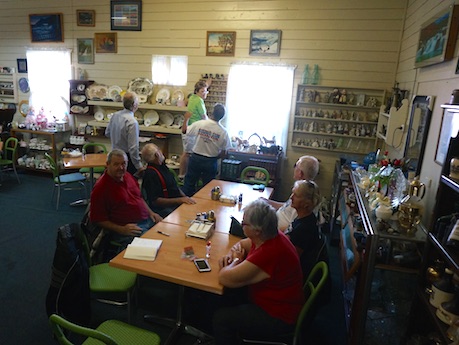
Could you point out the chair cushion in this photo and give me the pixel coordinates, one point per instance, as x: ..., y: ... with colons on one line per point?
x: 68, y: 178
x: 97, y: 170
x: 124, y: 333
x: 104, y: 278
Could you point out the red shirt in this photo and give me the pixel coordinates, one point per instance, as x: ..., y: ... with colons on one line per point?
x: 281, y: 295
x: 119, y: 202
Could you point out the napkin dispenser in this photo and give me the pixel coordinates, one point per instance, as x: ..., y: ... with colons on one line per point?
x: 201, y: 229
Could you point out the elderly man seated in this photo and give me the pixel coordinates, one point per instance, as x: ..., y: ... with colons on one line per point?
x: 159, y: 187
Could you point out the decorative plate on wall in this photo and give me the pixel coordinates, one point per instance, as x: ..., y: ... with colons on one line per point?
x: 24, y: 85
x: 143, y: 87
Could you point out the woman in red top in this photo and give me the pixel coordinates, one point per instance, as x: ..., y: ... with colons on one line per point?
x: 267, y: 263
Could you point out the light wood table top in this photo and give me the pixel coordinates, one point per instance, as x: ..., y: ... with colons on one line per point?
x: 90, y: 160
x: 234, y: 188
x: 169, y: 266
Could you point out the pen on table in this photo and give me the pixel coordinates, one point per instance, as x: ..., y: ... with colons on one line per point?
x: 163, y: 233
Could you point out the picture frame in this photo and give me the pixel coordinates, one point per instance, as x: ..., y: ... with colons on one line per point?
x: 126, y: 15
x: 265, y: 42
x: 449, y: 129
x: 46, y: 27
x: 86, y: 17
x: 22, y: 65
x: 437, y: 38
x: 106, y: 42
x: 221, y: 43
x: 85, y: 50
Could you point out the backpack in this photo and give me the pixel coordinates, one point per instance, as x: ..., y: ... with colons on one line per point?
x: 69, y: 294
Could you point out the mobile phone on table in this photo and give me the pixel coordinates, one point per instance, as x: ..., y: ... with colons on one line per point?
x: 202, y: 265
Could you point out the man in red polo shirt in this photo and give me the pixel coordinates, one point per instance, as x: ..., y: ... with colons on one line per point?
x: 117, y: 204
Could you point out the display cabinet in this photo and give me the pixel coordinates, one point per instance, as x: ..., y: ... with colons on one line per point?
x: 78, y: 98
x: 8, y: 86
x: 217, y: 93
x: 336, y: 119
x: 380, y: 263
x: 34, y: 144
x: 424, y: 322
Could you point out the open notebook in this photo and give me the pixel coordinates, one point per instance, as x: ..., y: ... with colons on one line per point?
x: 142, y: 249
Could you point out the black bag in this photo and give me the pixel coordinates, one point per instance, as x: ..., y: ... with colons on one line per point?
x: 69, y: 294
x: 236, y: 228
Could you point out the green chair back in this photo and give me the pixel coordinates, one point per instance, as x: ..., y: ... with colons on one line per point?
x: 53, y: 166
x: 95, y: 148
x: 111, y: 332
x: 255, y: 175
x: 9, y: 155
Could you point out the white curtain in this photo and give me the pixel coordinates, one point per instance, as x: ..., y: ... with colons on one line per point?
x: 259, y: 99
x: 49, y: 72
x: 169, y: 70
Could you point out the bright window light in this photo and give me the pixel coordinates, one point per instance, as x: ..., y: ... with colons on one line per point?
x: 49, y: 72
x: 259, y: 100
x: 169, y: 70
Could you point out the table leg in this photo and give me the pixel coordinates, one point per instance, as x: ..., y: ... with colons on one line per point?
x: 177, y: 326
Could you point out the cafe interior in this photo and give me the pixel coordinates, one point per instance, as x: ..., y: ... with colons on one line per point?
x: 367, y: 87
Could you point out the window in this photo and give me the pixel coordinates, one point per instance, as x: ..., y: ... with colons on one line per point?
x: 49, y: 72
x: 169, y: 70
x: 259, y: 99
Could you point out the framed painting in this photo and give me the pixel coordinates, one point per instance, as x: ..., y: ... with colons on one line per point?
x: 46, y: 27
x: 85, y: 49
x: 86, y: 17
x: 437, y: 38
x: 449, y: 129
x: 221, y: 43
x: 106, y: 42
x: 22, y: 65
x: 126, y: 15
x: 265, y: 42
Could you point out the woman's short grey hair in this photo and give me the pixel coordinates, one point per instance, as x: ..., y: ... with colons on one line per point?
x: 149, y: 152
x: 116, y: 153
x: 309, y: 190
x: 262, y: 216
x: 309, y: 165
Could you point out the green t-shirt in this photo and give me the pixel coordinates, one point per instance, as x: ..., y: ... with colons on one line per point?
x: 197, y: 108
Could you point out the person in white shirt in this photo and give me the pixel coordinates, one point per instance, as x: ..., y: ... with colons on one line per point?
x: 123, y: 131
x: 306, y: 168
x: 211, y: 143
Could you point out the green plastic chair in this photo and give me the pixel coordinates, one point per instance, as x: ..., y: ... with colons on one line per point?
x: 255, y: 175
x: 69, y: 181
x: 8, y: 158
x: 311, y: 288
x: 112, y: 332
x: 104, y: 278
x: 97, y: 148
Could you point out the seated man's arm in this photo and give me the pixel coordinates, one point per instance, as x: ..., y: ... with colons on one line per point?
x: 167, y: 202
x: 275, y: 204
x: 130, y: 229
x: 154, y: 216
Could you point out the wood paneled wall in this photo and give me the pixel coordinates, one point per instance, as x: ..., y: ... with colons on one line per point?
x: 355, y: 43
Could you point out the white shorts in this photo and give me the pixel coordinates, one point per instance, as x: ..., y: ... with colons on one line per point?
x: 188, y: 143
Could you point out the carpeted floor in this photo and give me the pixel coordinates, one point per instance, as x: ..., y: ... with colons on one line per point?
x: 28, y: 224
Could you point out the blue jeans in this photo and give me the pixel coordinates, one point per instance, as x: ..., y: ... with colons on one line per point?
x: 123, y: 240
x: 199, y: 167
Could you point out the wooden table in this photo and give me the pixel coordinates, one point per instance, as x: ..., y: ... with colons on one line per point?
x: 185, y: 213
x: 89, y: 160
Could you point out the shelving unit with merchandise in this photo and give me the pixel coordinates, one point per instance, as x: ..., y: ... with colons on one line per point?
x: 336, y: 119
x: 390, y: 125
x: 8, y: 85
x: 34, y: 144
x: 217, y: 92
x: 425, y: 321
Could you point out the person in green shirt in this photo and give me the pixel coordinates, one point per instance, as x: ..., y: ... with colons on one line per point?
x: 198, y: 112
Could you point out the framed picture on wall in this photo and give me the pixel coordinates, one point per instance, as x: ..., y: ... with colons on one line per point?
x: 437, y: 38
x: 106, y: 42
x: 22, y: 65
x: 46, y: 27
x: 265, y: 42
x: 86, y: 17
x: 221, y: 43
x: 85, y: 48
x: 126, y: 15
